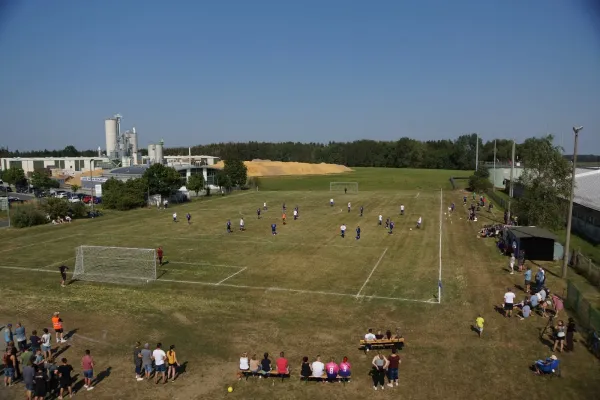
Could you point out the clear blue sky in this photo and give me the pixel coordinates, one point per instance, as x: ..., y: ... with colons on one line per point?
x: 195, y: 72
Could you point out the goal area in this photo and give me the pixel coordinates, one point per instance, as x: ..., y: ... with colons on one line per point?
x: 115, y: 264
x: 343, y: 186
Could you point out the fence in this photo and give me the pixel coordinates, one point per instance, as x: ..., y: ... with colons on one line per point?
x: 499, y: 200
x: 587, y: 315
x: 584, y: 266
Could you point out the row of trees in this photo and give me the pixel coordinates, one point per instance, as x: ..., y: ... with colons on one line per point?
x: 68, y: 151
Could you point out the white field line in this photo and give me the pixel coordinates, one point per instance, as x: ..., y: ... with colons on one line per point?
x: 371, y: 274
x: 417, y: 196
x: 232, y: 275
x: 274, y: 289
x: 205, y: 264
x: 58, y: 263
x: 39, y: 243
x: 440, y: 250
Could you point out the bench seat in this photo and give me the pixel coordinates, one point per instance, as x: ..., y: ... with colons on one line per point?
x: 382, y: 344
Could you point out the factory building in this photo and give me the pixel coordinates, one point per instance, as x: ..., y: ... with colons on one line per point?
x: 60, y: 165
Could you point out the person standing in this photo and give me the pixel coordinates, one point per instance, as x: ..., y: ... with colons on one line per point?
x: 28, y: 377
x: 146, y: 354
x: 188, y: 216
x: 57, y: 324
x: 137, y: 361
x: 349, y: 206
x: 393, y: 366
x: 561, y: 333
x: 401, y: 209
x: 380, y: 365
x: 229, y: 226
x: 159, y: 255
x: 512, y: 264
x: 419, y: 223
x: 357, y: 232
x: 242, y: 225
x: 295, y: 214
x: 47, y: 343
x: 258, y: 213
x: 391, y: 227
x: 159, y: 357
x: 361, y: 210
x: 283, y: 218
x: 34, y: 342
x: 479, y: 321
x: 20, y: 337
x: 26, y: 357
x: 63, y: 275
x: 174, y: 217
x: 10, y: 362
x: 330, y: 202
x: 173, y: 363
x: 8, y: 334
x: 64, y: 378
x: 380, y: 220
x: 527, y: 276
x: 87, y: 365
x: 39, y: 383
x: 343, y: 230
x: 509, y: 299
x: 571, y: 329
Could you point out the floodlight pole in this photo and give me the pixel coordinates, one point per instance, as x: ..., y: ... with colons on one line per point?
x: 512, y: 174
x: 565, y: 266
x: 494, y: 179
x: 476, y: 151
x: 92, y: 182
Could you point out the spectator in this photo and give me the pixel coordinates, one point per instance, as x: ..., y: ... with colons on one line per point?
x: 526, y: 312
x: 546, y: 367
x: 39, y: 384
x: 332, y: 369
x: 159, y: 357
x: 559, y: 337
x: 64, y: 378
x: 87, y: 365
x: 393, y: 365
x: 388, y: 334
x: 26, y: 357
x: 137, y: 361
x: 38, y: 358
x: 282, y: 365
x: 244, y: 364
x: 147, y: 360
x: 558, y: 304
x: 369, y: 337
x: 317, y: 368
x: 34, y: 342
x: 28, y: 376
x: 173, y: 363
x: 512, y: 264
x: 9, y: 361
x: 51, y: 368
x: 380, y: 363
x: 539, y: 279
x: 20, y: 337
x: 527, y: 277
x: 509, y: 298
x: 379, y: 335
x: 254, y: 365
x: 47, y: 343
x: 345, y: 369
x: 397, y: 335
x: 571, y: 329
x: 305, y: 370
x: 265, y: 365
x: 8, y: 334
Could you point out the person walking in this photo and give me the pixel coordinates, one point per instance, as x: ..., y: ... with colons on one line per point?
x: 63, y: 275
x: 380, y: 365
x: 137, y: 361
x: 87, y: 365
x: 173, y: 363
x: 560, y: 334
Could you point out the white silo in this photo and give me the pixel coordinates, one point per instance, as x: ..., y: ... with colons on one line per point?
x: 99, y: 151
x: 151, y: 153
x: 159, y: 152
x: 134, y: 141
x: 111, y: 128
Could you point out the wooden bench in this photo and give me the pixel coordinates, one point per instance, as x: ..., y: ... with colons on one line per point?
x: 324, y: 378
x: 381, y: 344
x: 272, y: 374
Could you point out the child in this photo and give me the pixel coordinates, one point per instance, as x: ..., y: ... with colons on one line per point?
x: 242, y: 225
x: 419, y: 223
x: 361, y: 211
x: 401, y: 209
x: 295, y: 214
x: 265, y: 206
x: 479, y: 325
x: 512, y: 264
x: 283, y: 217
x: 258, y: 213
x: 391, y: 227
x: 330, y: 202
x: 174, y: 217
x: 387, y: 223
x: 349, y: 206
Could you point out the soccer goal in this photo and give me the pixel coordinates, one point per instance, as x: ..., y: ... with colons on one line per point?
x: 339, y: 186
x: 115, y: 264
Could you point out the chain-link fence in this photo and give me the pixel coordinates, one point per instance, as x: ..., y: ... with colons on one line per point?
x: 587, y: 315
x: 584, y: 266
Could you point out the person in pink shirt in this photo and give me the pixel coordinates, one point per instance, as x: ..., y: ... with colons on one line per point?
x: 345, y: 369
x: 87, y: 364
x: 331, y: 369
x: 282, y: 365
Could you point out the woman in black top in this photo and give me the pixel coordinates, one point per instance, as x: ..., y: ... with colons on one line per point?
x: 305, y: 370
x: 571, y: 329
x: 39, y: 384
x: 265, y: 365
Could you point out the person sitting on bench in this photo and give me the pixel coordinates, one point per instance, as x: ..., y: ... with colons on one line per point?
x: 379, y: 335
x: 546, y: 367
x: 345, y: 368
x: 332, y: 370
x: 254, y: 365
x: 265, y: 366
x: 388, y: 335
x: 282, y: 365
x: 305, y: 370
x: 244, y: 365
x: 318, y: 368
x: 369, y: 337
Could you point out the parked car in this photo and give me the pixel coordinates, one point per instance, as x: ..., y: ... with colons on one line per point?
x: 8, y: 189
x: 61, y: 194
x: 74, y: 200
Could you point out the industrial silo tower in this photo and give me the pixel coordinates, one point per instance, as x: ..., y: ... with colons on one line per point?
x: 112, y: 127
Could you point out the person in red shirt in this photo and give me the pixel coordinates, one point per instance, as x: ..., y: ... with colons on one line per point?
x: 87, y: 365
x: 282, y: 365
x: 159, y: 254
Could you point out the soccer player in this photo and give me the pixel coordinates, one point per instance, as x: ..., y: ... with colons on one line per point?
x: 345, y: 368
x: 464, y: 200
x: 401, y: 209
x: 188, y: 216
x: 265, y: 206
x: 490, y: 206
x: 419, y: 223
x: 174, y: 217
x: 159, y: 255
x: 343, y: 230
x: 357, y: 232
x: 391, y: 227
x: 345, y: 190
x: 331, y: 202
x: 361, y: 211
x: 380, y: 219
x: 479, y: 325
x: 387, y: 223
x: 63, y: 274
x: 331, y: 369
x: 452, y: 207
x: 274, y: 229
x: 295, y: 214
x: 229, y: 227
x: 258, y: 213
x: 283, y: 207
x: 242, y: 226
x: 349, y: 206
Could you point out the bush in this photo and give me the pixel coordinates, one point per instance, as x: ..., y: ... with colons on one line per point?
x: 56, y: 207
x: 78, y: 210
x: 27, y: 215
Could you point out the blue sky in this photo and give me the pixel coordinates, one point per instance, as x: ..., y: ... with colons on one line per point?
x: 196, y: 72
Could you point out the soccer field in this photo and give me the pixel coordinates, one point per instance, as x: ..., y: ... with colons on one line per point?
x: 305, y: 291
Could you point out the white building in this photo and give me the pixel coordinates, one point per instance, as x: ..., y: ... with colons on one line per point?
x: 62, y: 165
x: 193, y: 160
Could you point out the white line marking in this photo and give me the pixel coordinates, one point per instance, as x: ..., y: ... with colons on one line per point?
x: 373, y: 270
x: 232, y: 275
x: 38, y: 243
x: 29, y: 269
x: 417, y: 196
x: 440, y: 254
x: 203, y: 264
x: 89, y: 339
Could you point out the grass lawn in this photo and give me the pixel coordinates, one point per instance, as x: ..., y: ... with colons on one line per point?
x: 305, y: 291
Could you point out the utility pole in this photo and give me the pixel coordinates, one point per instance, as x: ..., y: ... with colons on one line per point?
x: 477, y: 151
x: 92, y: 182
x: 512, y: 175
x: 494, y: 179
x: 565, y: 266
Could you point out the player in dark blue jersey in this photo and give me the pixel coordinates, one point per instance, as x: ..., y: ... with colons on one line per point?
x: 258, y: 213
x: 189, y: 218
x: 361, y: 211
x: 229, y: 227
x: 274, y: 229
x: 387, y: 223
x: 357, y: 232
x: 391, y: 227
x: 464, y: 200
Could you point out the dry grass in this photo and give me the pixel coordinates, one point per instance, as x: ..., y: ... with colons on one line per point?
x: 211, y: 325
x: 279, y: 168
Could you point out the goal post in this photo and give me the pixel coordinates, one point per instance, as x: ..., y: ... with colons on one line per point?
x: 115, y: 264
x: 341, y: 186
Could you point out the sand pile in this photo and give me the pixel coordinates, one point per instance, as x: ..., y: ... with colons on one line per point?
x: 278, y: 168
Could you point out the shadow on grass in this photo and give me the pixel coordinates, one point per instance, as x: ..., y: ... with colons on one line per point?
x: 60, y: 351
x: 103, y: 375
x: 474, y: 329
x: 70, y: 334
x: 162, y: 272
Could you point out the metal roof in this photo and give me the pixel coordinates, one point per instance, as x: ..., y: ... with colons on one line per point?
x: 532, y: 231
x: 132, y: 170
x: 587, y: 189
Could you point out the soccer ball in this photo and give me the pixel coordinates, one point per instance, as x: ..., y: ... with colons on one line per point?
x: 230, y: 389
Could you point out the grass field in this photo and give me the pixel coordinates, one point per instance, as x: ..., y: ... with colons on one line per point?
x: 305, y: 291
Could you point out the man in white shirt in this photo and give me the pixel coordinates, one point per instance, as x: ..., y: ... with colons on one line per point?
x: 318, y: 368
x: 343, y: 230
x: 369, y: 337
x: 401, y: 209
x: 512, y: 264
x: 175, y: 217
x: 419, y: 223
x: 349, y: 206
x: 295, y: 214
x: 242, y: 224
x: 331, y: 202
x: 509, y: 299
x: 159, y: 357
x: 380, y: 219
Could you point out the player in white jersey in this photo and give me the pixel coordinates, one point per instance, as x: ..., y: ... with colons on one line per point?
x: 380, y: 219
x: 419, y: 223
x: 174, y: 217
x: 401, y: 209
x: 242, y: 226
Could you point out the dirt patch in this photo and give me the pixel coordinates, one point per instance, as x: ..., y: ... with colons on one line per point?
x: 279, y: 168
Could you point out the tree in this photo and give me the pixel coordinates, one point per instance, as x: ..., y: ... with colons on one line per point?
x: 480, y: 180
x: 162, y: 180
x: 223, y: 180
x: 237, y: 172
x: 75, y: 188
x: 195, y: 183
x: 14, y: 175
x: 546, y: 181
x: 56, y: 207
x: 124, y: 196
x: 42, y: 180
x: 70, y: 151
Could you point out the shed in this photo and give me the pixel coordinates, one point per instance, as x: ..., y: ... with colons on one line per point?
x: 538, y: 243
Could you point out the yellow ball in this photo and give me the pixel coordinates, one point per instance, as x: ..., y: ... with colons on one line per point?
x: 230, y: 389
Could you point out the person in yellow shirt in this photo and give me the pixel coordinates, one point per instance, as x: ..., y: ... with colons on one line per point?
x: 173, y: 363
x: 479, y: 324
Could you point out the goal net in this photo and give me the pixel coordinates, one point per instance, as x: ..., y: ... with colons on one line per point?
x: 341, y: 186
x: 115, y: 264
